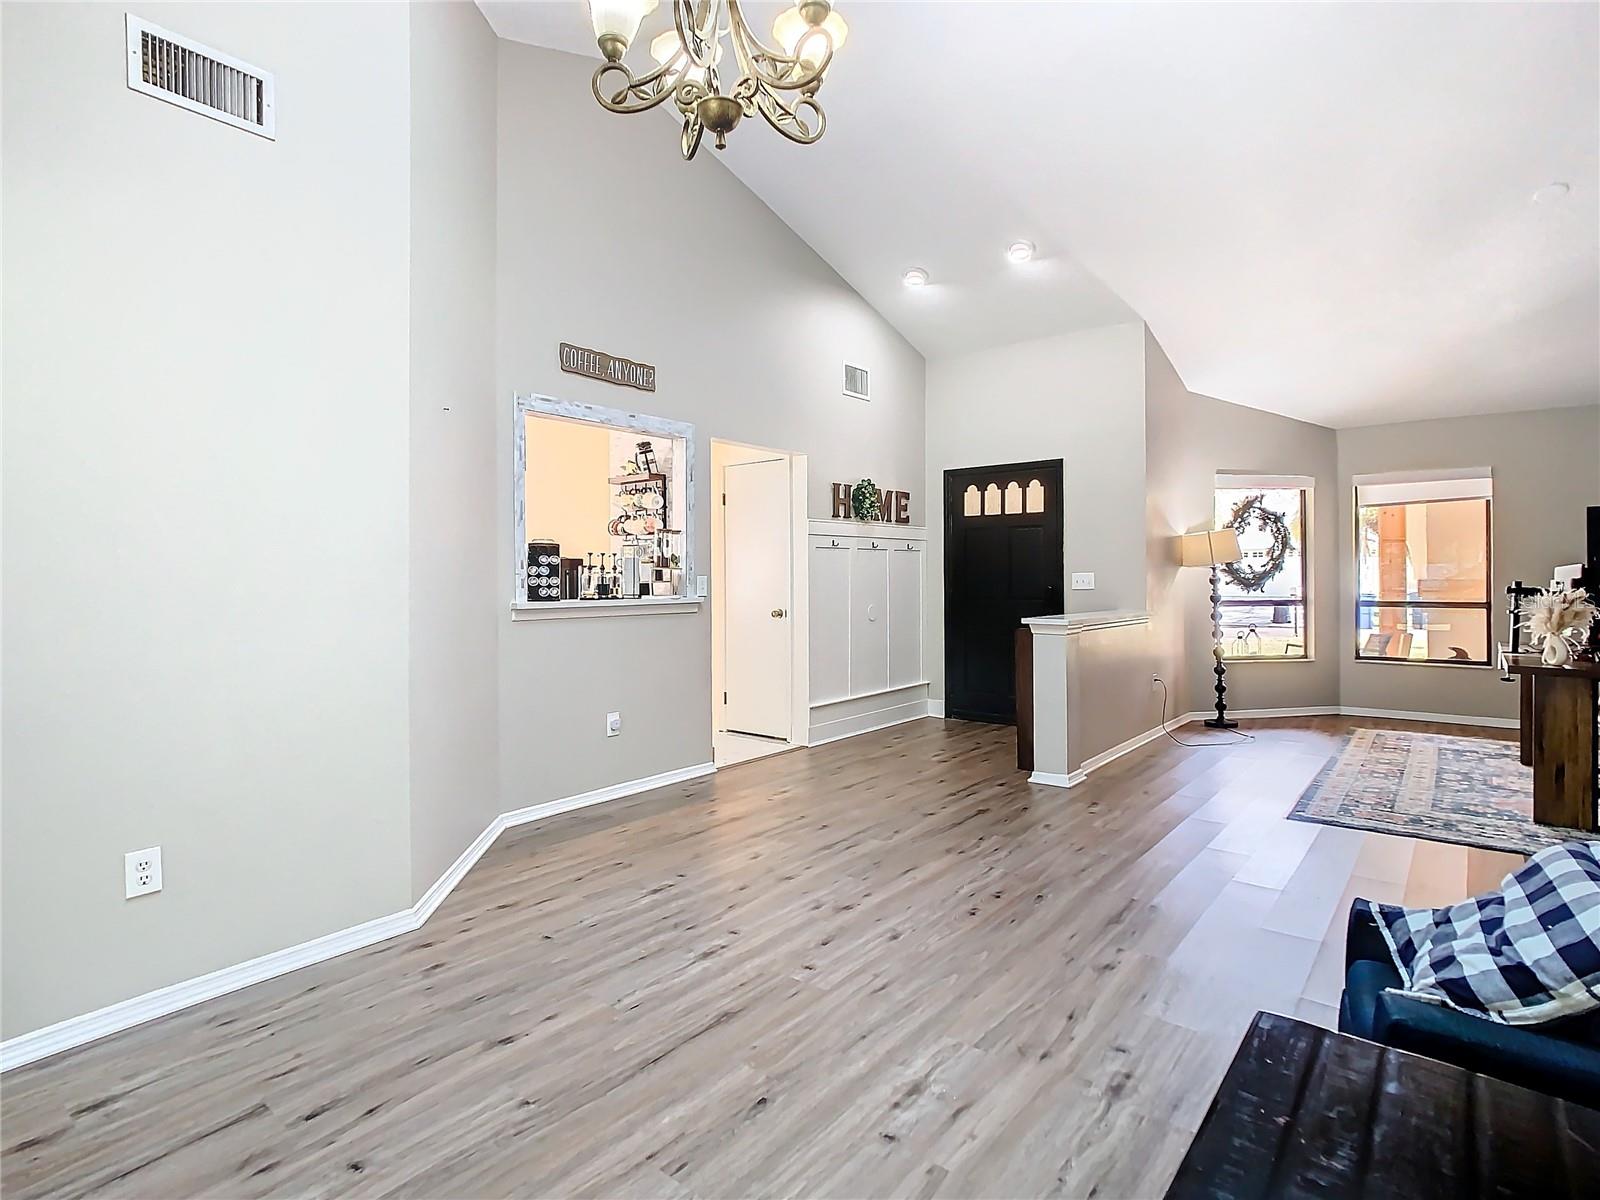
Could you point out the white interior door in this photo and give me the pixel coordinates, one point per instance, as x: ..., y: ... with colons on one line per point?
x: 757, y: 586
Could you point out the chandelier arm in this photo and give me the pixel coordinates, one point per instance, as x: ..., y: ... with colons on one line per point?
x: 768, y: 64
x: 706, y: 37
x: 803, y: 121
x: 646, y: 90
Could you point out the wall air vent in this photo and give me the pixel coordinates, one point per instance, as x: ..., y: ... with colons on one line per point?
x: 181, y: 71
x: 856, y: 382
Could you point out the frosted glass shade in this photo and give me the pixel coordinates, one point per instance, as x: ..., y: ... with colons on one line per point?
x: 790, y: 31
x: 619, y: 18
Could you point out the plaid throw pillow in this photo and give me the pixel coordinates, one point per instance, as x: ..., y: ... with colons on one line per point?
x: 1525, y: 954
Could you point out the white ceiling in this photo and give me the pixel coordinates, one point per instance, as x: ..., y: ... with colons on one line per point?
x: 1321, y: 210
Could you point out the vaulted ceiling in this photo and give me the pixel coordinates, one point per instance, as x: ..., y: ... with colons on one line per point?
x: 1323, y: 210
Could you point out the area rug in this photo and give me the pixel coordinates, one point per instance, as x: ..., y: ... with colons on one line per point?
x: 1465, y: 790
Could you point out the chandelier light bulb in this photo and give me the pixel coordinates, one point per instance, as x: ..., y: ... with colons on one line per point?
x: 914, y: 278
x: 1020, y: 251
x: 798, y: 37
x: 664, y: 46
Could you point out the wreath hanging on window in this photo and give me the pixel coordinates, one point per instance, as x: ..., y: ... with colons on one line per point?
x: 865, y: 501
x: 1254, y: 578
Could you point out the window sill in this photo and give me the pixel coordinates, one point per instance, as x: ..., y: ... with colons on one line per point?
x: 535, y: 610
x: 1405, y: 662
x: 1263, y: 658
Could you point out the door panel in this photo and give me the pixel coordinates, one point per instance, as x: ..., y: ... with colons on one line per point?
x: 830, y: 620
x: 757, y: 590
x: 869, y: 620
x: 905, y: 616
x: 1003, y: 562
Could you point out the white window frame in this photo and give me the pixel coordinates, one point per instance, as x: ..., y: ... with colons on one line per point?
x: 1307, y: 486
x: 533, y: 404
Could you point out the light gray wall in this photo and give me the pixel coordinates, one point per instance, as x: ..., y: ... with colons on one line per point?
x: 608, y: 239
x: 1546, y: 469
x: 1078, y: 397
x: 1191, y: 438
x: 1188, y: 438
x: 455, y: 492
x: 205, y: 478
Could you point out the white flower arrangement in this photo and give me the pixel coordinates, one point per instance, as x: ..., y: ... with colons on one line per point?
x: 1560, y: 618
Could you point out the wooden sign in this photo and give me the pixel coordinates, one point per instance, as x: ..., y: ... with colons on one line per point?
x: 607, y: 368
x: 895, y: 506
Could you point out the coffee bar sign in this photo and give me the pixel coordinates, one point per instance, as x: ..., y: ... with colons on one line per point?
x: 607, y: 368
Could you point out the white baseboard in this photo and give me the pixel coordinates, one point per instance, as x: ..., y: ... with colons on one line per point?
x: 936, y: 709
x: 1052, y: 779
x: 78, y: 1031
x: 1094, y: 763
x: 1257, y: 714
x: 1335, y: 710
x: 846, y: 717
x: 883, y: 718
x: 1394, y: 714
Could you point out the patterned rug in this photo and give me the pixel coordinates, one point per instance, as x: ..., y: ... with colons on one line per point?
x: 1470, y: 791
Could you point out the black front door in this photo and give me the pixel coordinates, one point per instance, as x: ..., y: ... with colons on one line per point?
x: 1002, y: 562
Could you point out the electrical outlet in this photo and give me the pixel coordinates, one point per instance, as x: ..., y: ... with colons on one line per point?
x: 613, y: 724
x: 1155, y: 680
x: 141, y: 872
x: 1083, y: 581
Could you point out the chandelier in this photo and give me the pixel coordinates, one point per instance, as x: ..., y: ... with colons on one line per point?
x: 780, y: 82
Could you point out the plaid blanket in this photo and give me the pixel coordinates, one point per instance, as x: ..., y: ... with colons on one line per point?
x: 1525, y: 954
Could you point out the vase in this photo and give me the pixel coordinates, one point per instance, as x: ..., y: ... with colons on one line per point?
x: 1557, y: 653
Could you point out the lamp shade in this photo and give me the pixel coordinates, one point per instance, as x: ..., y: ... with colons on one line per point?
x: 1209, y: 548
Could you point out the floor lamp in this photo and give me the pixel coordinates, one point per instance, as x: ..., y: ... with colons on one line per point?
x: 1212, y: 548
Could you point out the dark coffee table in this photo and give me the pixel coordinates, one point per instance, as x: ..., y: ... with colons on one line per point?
x: 1307, y: 1112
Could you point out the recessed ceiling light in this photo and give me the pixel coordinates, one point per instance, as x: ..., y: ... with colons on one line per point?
x: 1020, y: 251
x: 915, y: 277
x: 1551, y: 192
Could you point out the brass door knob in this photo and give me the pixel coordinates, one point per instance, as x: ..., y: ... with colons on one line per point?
x: 777, y: 612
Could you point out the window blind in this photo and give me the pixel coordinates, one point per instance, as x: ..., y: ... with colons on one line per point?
x: 1412, y: 487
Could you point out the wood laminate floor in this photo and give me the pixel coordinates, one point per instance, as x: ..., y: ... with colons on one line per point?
x: 884, y: 967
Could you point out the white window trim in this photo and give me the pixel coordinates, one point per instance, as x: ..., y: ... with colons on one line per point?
x: 532, y: 404
x: 1308, y: 485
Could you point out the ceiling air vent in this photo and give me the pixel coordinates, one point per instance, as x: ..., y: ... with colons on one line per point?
x: 181, y: 71
x: 856, y: 382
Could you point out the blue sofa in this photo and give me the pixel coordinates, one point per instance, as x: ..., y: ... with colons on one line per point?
x: 1560, y: 1058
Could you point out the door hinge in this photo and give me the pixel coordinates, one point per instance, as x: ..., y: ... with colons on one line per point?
x: 724, y: 499
x: 724, y: 697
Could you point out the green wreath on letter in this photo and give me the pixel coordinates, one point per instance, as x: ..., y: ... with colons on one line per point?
x: 866, y: 502
x: 1253, y: 579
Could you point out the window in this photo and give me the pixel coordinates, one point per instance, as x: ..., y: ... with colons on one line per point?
x: 1422, y: 570
x: 1265, y: 607
x: 604, y: 507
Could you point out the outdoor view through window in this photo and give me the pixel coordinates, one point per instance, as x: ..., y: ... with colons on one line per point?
x: 1264, y: 609
x: 1423, y: 568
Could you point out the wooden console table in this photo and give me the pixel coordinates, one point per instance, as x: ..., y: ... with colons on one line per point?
x: 1558, y: 711
x: 1304, y: 1112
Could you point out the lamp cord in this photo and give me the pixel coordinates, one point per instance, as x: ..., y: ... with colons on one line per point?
x: 1243, y: 737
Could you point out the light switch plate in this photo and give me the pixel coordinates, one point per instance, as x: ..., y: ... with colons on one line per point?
x: 1083, y: 581
x: 702, y: 586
